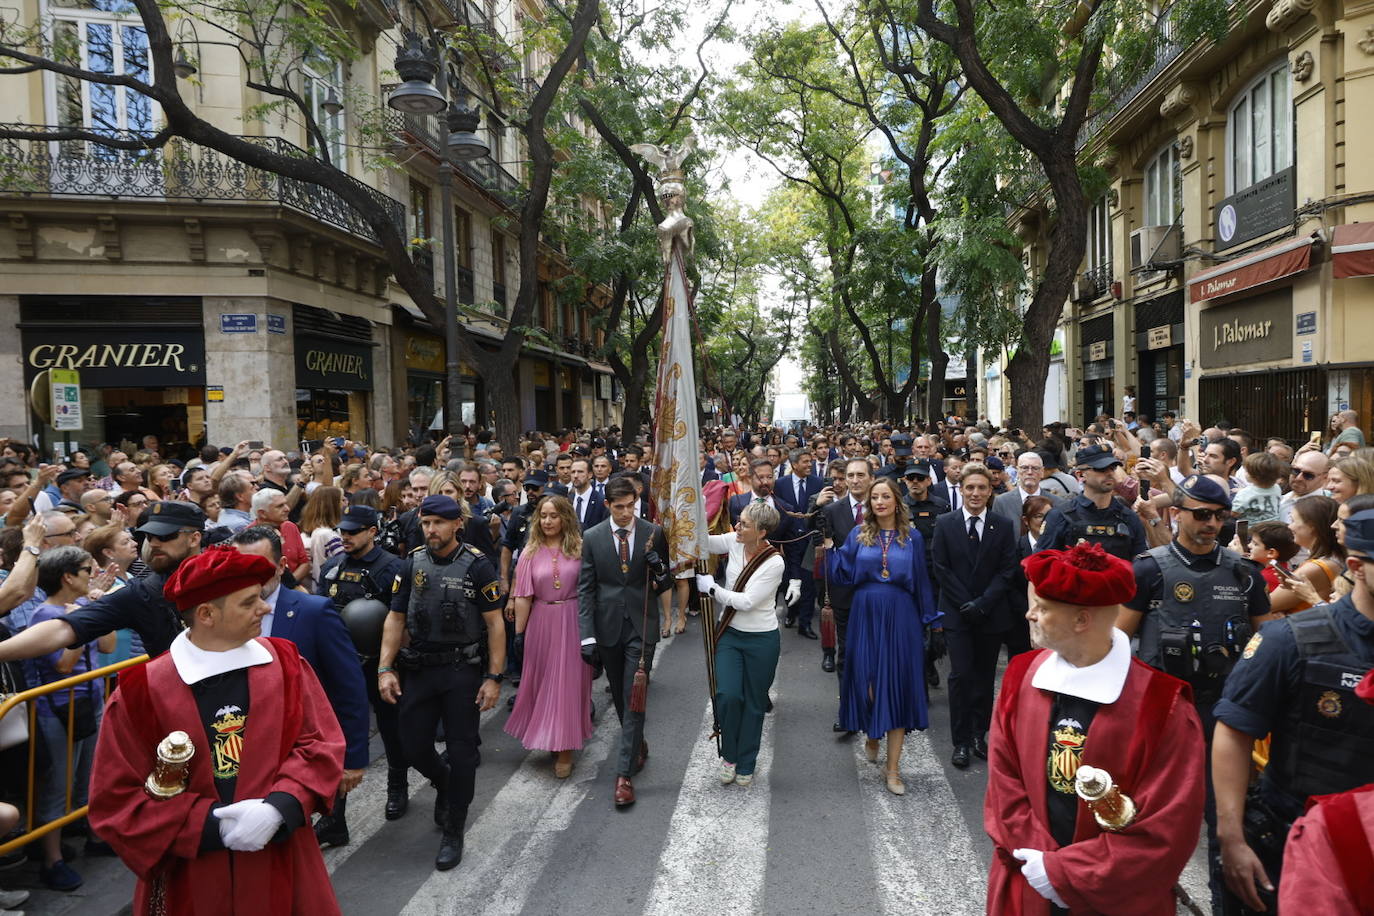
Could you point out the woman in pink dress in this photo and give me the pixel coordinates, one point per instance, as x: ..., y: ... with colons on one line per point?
x: 553, y: 709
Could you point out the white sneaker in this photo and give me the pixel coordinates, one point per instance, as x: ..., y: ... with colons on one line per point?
x: 743, y: 780
x: 727, y: 773
x: 11, y: 899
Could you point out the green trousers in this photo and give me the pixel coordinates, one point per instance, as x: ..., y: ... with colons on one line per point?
x: 745, y: 666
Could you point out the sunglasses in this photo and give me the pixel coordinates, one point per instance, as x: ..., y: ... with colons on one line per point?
x: 164, y: 538
x: 1305, y: 475
x: 86, y: 569
x: 1206, y: 515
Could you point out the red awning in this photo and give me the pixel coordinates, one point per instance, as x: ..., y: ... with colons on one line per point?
x: 1352, y: 251
x: 1255, y: 269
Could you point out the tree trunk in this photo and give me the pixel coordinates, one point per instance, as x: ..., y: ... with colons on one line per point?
x: 504, y: 403
x: 939, y: 362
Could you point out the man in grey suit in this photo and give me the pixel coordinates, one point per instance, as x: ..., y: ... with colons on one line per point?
x: 618, y: 615
x: 1030, y: 470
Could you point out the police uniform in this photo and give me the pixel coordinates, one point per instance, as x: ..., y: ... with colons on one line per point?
x: 1296, y: 681
x: 444, y: 599
x: 1197, y: 611
x: 1117, y: 528
x: 923, y: 514
x: 346, y: 578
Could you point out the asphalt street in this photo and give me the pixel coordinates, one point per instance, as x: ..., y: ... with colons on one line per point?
x: 817, y: 832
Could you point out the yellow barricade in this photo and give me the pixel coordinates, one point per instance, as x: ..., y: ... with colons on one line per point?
x: 32, y: 832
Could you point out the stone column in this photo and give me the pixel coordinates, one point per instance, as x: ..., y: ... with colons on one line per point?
x: 257, y: 371
x: 14, y: 410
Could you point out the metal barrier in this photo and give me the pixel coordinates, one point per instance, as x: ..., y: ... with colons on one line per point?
x: 68, y: 684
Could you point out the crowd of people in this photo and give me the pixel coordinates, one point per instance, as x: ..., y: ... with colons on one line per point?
x: 1174, y: 603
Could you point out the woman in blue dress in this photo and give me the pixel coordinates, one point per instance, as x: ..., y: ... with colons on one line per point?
x: 883, y: 691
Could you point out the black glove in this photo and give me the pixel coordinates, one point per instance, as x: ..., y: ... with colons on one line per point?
x: 591, y: 655
x: 517, y: 650
x: 972, y: 611
x: 935, y: 649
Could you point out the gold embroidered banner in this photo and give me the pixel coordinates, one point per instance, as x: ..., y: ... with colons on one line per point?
x: 677, y: 444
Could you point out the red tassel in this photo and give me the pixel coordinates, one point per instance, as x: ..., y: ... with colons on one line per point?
x: 827, y: 628
x: 639, y: 693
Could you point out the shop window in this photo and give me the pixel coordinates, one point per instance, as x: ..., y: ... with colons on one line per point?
x: 1100, y: 236
x: 101, y: 36
x: 462, y: 237
x: 419, y: 210
x: 1259, y: 135
x: 323, y: 78
x: 1163, y: 188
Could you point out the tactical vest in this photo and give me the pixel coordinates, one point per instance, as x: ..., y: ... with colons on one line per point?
x: 442, y: 612
x: 1326, y: 742
x: 1114, y: 534
x: 347, y: 582
x: 1200, y: 622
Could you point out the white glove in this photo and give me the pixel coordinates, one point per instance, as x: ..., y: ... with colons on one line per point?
x: 793, y: 592
x: 254, y: 822
x: 1034, y: 872
x: 705, y: 583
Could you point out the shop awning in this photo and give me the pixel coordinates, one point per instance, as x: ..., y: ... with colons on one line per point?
x: 600, y: 367
x: 1352, y: 251
x: 1254, y: 269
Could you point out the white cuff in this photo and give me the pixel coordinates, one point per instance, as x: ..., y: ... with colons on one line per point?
x: 589, y: 641
x: 1034, y: 873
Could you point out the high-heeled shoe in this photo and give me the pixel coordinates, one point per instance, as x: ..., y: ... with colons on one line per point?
x: 894, y: 783
x: 562, y: 768
x: 871, y: 750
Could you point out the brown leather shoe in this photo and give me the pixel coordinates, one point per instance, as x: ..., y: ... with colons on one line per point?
x: 642, y: 756
x: 624, y: 792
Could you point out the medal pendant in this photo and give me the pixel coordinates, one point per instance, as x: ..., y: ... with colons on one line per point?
x: 624, y: 568
x: 557, y: 584
x: 884, y: 574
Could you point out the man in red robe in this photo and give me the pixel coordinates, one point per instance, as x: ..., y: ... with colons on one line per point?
x: 1082, y: 700
x: 268, y: 754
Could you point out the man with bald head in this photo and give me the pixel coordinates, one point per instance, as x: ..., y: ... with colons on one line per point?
x: 1307, y: 478
x: 1346, y: 425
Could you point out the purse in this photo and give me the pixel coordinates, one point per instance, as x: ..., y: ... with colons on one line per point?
x: 14, y: 727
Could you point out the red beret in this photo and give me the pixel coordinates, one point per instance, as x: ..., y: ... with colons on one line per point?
x: 213, y: 574
x: 1084, y: 575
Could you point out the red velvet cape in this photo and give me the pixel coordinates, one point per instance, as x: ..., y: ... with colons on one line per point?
x: 1336, y: 829
x: 292, y: 744
x: 1150, y: 741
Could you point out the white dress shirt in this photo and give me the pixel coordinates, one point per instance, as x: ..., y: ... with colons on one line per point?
x: 195, y: 664
x: 271, y: 615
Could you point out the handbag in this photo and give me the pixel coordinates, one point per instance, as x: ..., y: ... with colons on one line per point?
x: 14, y: 727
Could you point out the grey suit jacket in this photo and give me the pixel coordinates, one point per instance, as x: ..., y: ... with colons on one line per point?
x: 607, y: 597
x: 1008, y: 505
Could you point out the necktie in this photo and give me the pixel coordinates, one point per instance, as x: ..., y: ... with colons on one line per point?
x: 954, y: 497
x: 624, y: 549
x: 579, y: 508
x: 973, y: 530
x: 858, y: 513
x: 800, y: 504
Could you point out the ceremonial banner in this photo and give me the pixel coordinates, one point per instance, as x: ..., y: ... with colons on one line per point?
x: 677, y: 443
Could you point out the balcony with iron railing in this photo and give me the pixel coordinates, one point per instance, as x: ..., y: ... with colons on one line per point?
x: 1098, y: 280
x: 1124, y: 89
x: 180, y: 171
x: 427, y: 131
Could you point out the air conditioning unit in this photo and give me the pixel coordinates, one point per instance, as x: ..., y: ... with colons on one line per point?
x: 1084, y: 289
x: 1152, y: 245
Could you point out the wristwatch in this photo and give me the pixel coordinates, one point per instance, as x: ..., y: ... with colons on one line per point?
x: 30, y: 549
x: 488, y: 676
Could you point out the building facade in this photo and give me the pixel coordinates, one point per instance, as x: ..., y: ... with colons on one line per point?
x: 1228, y: 269
x: 204, y: 300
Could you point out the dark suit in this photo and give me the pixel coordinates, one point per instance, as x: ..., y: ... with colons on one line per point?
x: 318, y: 631
x: 837, y: 519
x: 788, y: 527
x: 805, y: 608
x: 983, y: 574
x: 593, y: 507
x: 944, y: 492
x: 620, y: 612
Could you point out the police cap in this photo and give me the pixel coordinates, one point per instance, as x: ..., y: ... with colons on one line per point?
x: 901, y: 445
x: 918, y: 468
x: 1097, y: 457
x: 168, y: 516
x: 442, y: 506
x: 358, y: 518
x: 1359, y: 532
x: 1205, y: 490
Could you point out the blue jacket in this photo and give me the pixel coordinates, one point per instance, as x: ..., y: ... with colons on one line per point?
x: 317, y: 630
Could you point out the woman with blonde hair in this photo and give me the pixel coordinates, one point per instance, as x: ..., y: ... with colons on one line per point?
x: 884, y: 561
x: 162, y: 481
x: 320, y: 519
x: 553, y: 708
x: 1350, y: 476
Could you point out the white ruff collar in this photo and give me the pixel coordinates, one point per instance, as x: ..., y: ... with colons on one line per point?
x: 194, y: 664
x: 1097, y: 683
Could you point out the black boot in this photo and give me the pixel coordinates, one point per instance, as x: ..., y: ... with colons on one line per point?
x: 441, y: 801
x: 397, y: 794
x: 828, y: 661
x: 451, y: 846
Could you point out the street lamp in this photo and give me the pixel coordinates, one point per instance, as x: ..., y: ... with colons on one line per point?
x: 417, y: 95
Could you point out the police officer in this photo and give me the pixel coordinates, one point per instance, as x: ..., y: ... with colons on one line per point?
x: 923, y: 507
x: 1195, y: 608
x: 365, y: 572
x: 1095, y: 515
x: 1295, y: 681
x: 447, y: 598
